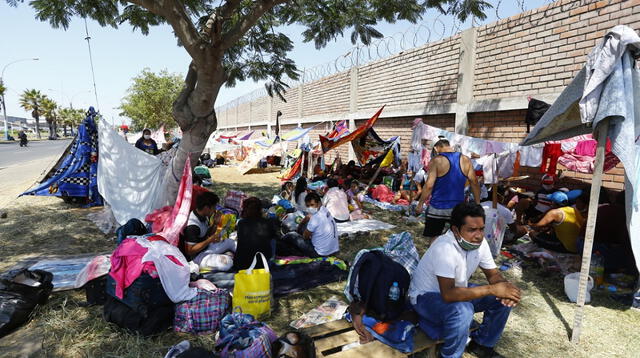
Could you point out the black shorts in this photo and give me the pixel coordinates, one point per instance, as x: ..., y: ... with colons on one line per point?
x: 435, y: 227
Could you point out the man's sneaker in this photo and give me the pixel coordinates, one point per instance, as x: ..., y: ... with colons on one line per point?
x: 482, y: 351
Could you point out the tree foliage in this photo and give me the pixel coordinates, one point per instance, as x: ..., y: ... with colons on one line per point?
x: 71, y: 116
x: 150, y: 98
x: 235, y: 40
x: 31, y: 101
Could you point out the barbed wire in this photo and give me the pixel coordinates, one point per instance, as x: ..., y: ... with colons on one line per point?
x: 417, y: 36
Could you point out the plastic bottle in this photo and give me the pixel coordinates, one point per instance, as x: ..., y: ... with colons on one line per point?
x: 596, y: 270
x: 394, y: 292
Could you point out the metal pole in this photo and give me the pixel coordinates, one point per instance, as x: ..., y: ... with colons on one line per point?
x: 4, y: 103
x: 596, y: 184
x: 4, y: 113
x: 93, y: 73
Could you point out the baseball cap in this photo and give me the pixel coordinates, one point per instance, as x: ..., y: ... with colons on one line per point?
x: 559, y: 198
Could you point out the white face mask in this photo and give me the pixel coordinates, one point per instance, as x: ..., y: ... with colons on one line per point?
x: 312, y: 210
x: 146, y: 136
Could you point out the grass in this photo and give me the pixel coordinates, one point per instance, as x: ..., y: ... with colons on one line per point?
x: 538, y: 327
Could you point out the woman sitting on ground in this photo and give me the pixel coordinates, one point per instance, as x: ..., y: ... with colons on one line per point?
x: 146, y: 144
x: 300, y: 193
x: 255, y: 234
x: 355, y: 204
x: 286, y: 192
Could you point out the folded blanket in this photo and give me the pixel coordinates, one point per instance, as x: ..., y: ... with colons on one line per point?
x: 382, y: 205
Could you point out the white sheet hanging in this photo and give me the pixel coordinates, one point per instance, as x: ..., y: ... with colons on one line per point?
x: 129, y: 180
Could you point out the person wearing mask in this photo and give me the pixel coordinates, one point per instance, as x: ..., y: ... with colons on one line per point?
x: 559, y: 228
x: 320, y: 235
x: 255, y: 234
x: 300, y: 193
x: 200, y: 241
x: 448, y: 174
x: 445, y: 301
x: 146, y: 144
x: 336, y: 201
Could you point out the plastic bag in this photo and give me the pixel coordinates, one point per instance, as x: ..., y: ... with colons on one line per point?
x: 20, y: 292
x: 97, y: 267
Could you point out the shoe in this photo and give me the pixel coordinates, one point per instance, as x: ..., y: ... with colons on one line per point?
x: 482, y: 351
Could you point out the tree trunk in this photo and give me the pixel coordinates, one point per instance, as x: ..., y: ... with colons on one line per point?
x: 193, y: 142
x: 64, y: 130
x: 193, y: 111
x: 55, y: 129
x: 37, y: 127
x: 52, y: 133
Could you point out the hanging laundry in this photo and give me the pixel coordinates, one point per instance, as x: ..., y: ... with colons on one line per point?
x: 489, y: 165
x: 531, y: 156
x: 550, y: 155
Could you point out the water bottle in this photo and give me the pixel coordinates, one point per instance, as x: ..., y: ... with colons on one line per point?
x: 394, y: 292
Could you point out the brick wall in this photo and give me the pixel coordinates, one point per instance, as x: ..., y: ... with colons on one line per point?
x: 540, y: 51
x: 329, y: 95
x: 509, y: 126
x: 425, y: 75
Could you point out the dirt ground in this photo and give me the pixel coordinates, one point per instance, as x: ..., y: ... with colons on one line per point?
x: 538, y: 327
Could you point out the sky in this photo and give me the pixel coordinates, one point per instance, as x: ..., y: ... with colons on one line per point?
x: 63, y: 70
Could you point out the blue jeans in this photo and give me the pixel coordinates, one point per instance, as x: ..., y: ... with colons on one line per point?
x: 451, y: 321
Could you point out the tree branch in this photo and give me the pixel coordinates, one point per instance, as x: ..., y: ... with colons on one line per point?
x: 248, y: 21
x: 176, y: 15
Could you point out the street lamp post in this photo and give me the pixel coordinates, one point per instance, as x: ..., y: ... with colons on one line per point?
x: 4, y: 103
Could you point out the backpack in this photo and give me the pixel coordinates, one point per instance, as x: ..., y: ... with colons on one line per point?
x: 20, y: 292
x: 535, y: 111
x: 376, y: 273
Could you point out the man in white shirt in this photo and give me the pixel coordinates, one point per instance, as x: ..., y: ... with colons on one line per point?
x: 441, y: 295
x: 336, y: 201
x: 320, y: 238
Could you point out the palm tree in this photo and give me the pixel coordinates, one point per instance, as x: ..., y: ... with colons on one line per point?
x: 50, y: 112
x: 31, y: 100
x: 70, y: 117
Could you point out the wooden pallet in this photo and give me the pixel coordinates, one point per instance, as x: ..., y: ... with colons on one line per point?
x: 329, y: 339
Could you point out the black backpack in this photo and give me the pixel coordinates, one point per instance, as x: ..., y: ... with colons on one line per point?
x: 535, y: 111
x: 376, y: 273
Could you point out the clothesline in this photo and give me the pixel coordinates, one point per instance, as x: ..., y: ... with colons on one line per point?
x: 498, y: 159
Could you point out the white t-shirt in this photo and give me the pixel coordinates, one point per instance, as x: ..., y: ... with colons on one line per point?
x: 300, y: 203
x: 445, y: 258
x: 421, y: 176
x: 337, y: 203
x: 324, y: 232
x: 505, y: 213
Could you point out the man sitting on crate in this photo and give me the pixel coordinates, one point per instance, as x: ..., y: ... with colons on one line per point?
x: 444, y: 300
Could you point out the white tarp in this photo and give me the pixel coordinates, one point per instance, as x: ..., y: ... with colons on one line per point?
x: 129, y: 180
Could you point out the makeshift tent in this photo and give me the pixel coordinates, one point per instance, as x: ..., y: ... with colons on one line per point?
x: 371, y: 146
x: 75, y: 176
x: 291, y: 136
x: 130, y: 180
x: 604, y: 98
x: 329, y: 142
x: 294, y: 171
x: 339, y: 129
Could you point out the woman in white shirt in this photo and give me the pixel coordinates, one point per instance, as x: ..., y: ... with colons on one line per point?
x: 300, y: 193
